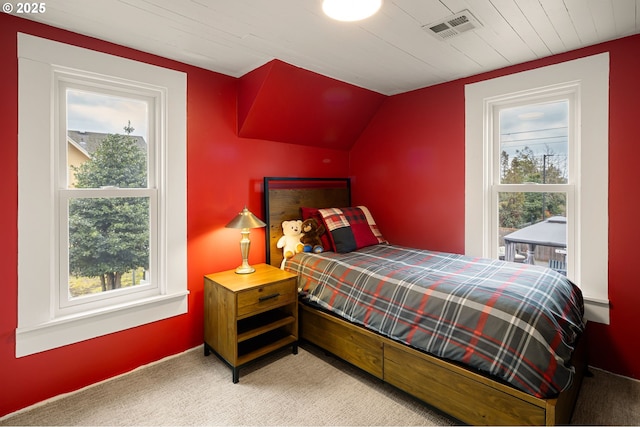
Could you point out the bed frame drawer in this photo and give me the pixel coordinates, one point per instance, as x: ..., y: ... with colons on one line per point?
x: 357, y: 346
x: 420, y: 375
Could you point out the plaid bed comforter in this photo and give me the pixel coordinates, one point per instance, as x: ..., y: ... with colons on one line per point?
x: 517, y: 322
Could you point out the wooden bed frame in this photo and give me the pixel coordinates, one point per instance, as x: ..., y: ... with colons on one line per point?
x: 458, y: 391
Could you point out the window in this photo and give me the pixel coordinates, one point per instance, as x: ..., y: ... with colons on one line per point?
x: 99, y: 251
x: 106, y: 192
x: 537, y: 155
x: 533, y: 178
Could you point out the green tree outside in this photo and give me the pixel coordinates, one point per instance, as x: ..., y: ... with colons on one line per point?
x: 109, y: 236
x: 517, y: 209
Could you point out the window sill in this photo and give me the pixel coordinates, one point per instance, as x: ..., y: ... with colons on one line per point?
x: 83, y: 326
x: 596, y: 310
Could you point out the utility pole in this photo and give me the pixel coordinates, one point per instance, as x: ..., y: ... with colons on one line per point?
x: 544, y: 180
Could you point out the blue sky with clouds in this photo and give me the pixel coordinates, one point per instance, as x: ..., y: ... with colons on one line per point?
x: 93, y: 112
x: 541, y: 127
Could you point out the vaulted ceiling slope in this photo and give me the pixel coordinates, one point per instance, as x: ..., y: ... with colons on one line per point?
x: 388, y: 53
x: 280, y: 102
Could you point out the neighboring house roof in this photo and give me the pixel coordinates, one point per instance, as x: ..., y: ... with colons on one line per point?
x: 88, y: 142
x: 550, y: 232
x: 78, y: 147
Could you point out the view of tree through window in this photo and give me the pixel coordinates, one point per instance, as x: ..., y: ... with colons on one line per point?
x: 534, y: 148
x: 108, y: 233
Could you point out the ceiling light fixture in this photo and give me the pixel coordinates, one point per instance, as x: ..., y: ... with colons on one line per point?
x: 350, y: 10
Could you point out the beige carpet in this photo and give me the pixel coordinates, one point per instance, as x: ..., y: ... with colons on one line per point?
x: 284, y: 389
x: 608, y: 399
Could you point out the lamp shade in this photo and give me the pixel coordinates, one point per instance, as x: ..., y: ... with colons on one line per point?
x: 245, y: 219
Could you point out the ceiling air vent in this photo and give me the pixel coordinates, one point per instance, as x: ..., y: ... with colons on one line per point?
x: 453, y: 25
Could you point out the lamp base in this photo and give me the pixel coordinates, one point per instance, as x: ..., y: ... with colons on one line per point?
x: 245, y: 243
x: 245, y: 269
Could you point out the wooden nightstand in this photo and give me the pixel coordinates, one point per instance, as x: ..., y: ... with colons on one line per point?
x: 247, y: 316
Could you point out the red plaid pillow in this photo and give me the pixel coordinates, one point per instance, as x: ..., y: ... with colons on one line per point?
x: 351, y: 228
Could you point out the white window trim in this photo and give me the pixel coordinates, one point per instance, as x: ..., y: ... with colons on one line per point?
x: 591, y: 229
x: 38, y: 327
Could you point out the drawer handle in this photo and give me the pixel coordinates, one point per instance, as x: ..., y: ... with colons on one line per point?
x: 268, y: 297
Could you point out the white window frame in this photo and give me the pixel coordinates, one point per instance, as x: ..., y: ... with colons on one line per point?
x: 587, y: 80
x: 64, y: 80
x: 43, y: 66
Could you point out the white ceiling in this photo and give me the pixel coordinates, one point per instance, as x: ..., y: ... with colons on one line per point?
x: 388, y: 53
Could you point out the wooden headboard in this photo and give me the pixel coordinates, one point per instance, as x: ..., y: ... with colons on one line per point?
x: 283, y: 198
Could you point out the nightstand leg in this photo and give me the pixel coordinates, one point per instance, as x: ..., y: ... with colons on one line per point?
x: 294, y: 350
x: 236, y: 374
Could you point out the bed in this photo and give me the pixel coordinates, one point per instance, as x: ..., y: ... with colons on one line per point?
x: 520, y: 367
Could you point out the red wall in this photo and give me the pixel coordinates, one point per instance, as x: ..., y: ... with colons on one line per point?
x: 409, y: 168
x: 224, y: 173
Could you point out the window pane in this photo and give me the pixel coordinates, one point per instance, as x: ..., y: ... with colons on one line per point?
x: 101, y: 128
x: 534, y: 143
x: 108, y: 244
x: 533, y: 228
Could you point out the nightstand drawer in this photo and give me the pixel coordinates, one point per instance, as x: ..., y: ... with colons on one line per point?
x: 266, y: 297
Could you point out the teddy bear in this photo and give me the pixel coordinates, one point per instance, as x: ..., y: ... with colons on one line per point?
x: 290, y: 241
x: 312, y: 230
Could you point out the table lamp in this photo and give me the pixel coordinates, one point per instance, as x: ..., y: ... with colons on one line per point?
x: 244, y: 221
